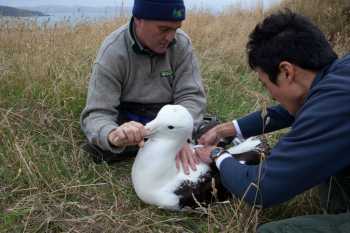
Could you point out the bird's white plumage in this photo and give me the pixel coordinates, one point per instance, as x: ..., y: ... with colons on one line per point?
x: 249, y: 144
x: 154, y: 173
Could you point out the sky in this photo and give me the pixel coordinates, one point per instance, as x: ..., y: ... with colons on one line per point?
x: 211, y: 4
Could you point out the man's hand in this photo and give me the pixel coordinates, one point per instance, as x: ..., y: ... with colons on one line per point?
x: 210, y: 138
x: 129, y: 133
x: 187, y: 158
x: 214, y: 135
x: 204, y: 153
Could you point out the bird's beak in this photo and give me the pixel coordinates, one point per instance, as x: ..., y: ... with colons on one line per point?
x: 151, y: 128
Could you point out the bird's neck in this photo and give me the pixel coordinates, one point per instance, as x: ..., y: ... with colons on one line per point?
x: 171, y: 147
x: 156, y: 160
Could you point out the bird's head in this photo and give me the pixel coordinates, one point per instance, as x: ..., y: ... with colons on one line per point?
x: 172, y: 121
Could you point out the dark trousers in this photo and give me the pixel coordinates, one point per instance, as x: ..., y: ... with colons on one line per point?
x: 339, y: 223
x: 335, y: 201
x: 98, y: 155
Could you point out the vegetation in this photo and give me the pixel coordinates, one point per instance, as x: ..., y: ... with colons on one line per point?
x: 48, y: 184
x: 12, y: 11
x: 332, y: 16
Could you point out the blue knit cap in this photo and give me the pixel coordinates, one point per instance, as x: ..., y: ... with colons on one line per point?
x: 167, y: 10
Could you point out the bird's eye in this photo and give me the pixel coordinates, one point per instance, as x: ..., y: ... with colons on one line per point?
x: 171, y: 127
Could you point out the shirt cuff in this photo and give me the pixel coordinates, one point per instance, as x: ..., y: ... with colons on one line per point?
x: 105, y: 142
x: 238, y: 130
x: 221, y: 158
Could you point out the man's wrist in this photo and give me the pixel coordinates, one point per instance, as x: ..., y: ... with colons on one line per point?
x: 221, y: 158
x: 103, y: 139
x: 225, y: 130
x: 216, y: 152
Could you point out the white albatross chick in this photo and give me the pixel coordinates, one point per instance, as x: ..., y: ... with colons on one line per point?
x: 156, y: 179
x: 154, y: 174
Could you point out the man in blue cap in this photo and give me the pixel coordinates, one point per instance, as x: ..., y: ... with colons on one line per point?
x: 141, y: 67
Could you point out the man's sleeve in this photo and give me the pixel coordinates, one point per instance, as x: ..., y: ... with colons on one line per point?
x: 188, y: 86
x: 316, y: 148
x: 99, y: 117
x: 255, y: 124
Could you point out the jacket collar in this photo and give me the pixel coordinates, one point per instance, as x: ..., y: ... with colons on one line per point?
x: 329, y: 68
x: 320, y: 75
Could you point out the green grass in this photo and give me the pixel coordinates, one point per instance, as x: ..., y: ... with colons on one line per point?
x: 48, y: 184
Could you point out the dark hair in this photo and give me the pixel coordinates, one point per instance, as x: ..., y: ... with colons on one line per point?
x: 287, y: 36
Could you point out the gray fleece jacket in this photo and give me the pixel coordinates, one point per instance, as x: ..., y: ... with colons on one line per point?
x: 125, y: 72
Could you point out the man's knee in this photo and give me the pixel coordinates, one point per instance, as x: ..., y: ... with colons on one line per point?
x: 98, y: 155
x: 277, y: 227
x: 309, y: 224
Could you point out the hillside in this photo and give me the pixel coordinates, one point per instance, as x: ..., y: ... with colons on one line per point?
x: 82, y: 10
x: 16, y: 12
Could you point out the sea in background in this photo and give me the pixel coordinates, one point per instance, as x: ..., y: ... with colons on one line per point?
x: 73, y: 15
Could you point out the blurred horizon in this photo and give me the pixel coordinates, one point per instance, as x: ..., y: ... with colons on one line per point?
x: 92, y: 11
x: 201, y: 4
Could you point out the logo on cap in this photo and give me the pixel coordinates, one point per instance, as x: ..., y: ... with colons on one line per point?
x: 178, y: 13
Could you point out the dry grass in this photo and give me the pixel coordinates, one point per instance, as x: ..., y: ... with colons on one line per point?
x: 332, y: 16
x: 47, y: 184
